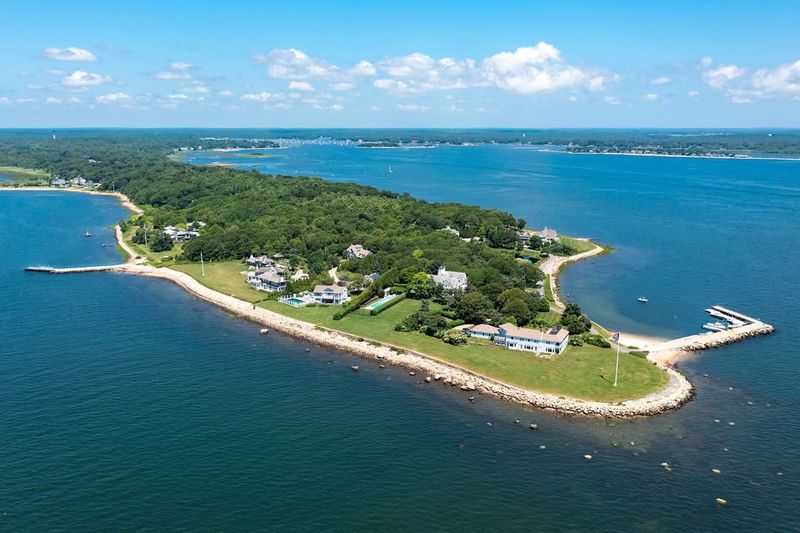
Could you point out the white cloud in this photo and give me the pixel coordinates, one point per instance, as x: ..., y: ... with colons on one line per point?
x: 225, y: 92
x: 693, y: 94
x: 293, y: 64
x: 342, y: 86
x: 113, y: 98
x: 4, y: 100
x: 257, y: 97
x: 719, y: 76
x: 52, y: 100
x: 416, y: 73
x: 612, y: 100
x: 75, y: 100
x: 26, y: 100
x: 70, y: 53
x: 177, y: 70
x: 650, y: 97
x: 783, y: 80
x: 337, y: 107
x: 197, y: 88
x: 363, y: 68
x: 412, y: 107
x: 179, y: 96
x: 765, y: 83
x: 301, y: 86
x: 662, y: 80
x: 535, y: 69
x: 81, y: 78
x: 24, y: 74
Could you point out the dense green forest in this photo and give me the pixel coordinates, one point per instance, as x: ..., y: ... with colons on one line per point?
x: 309, y: 220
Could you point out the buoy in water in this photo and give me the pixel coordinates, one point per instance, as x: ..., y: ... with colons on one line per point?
x: 263, y: 331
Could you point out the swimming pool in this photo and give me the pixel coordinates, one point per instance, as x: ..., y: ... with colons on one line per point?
x: 380, y: 303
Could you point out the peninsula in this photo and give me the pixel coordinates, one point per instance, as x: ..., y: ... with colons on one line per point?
x: 463, y: 295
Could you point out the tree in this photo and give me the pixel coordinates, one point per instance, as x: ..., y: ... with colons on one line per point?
x: 160, y: 242
x: 473, y: 307
x: 421, y: 285
x: 518, y: 309
x: 521, y: 223
x: 574, y: 320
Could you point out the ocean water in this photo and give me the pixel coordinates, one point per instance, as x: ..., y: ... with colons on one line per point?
x: 128, y: 404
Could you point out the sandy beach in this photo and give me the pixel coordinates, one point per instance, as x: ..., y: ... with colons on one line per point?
x: 124, y: 200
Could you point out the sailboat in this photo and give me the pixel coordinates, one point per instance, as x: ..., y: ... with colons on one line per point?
x: 390, y: 168
x: 643, y: 299
x: 87, y: 234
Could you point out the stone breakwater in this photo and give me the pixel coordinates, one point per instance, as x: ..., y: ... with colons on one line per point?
x: 705, y: 341
x: 677, y: 391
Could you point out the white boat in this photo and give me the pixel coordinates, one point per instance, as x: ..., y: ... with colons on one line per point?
x: 643, y: 299
x: 87, y: 234
x: 390, y: 168
x: 715, y: 326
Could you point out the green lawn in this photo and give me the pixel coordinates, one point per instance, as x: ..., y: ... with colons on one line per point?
x: 20, y: 174
x: 224, y: 277
x: 155, y: 258
x: 584, y: 372
x: 551, y: 317
x: 578, y: 245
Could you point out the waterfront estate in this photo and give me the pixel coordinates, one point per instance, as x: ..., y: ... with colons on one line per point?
x: 448, y: 280
x: 330, y: 294
x: 512, y: 337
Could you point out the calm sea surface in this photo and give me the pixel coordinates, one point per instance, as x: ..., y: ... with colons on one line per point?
x: 128, y: 404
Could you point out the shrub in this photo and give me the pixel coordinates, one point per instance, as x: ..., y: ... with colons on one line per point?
x: 454, y: 337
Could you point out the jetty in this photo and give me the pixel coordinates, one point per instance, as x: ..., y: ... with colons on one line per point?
x: 734, y: 327
x: 75, y: 270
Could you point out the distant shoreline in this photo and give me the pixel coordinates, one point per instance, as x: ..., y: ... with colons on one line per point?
x: 686, y: 156
x: 124, y: 200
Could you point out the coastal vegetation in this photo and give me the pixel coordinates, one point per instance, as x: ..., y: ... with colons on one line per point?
x: 309, y: 223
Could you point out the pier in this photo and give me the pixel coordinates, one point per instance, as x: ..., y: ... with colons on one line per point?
x: 738, y: 327
x: 75, y: 270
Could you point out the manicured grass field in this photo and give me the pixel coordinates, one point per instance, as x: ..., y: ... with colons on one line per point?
x: 19, y: 173
x: 155, y: 258
x: 578, y: 245
x: 224, y: 277
x: 584, y: 372
x: 551, y: 317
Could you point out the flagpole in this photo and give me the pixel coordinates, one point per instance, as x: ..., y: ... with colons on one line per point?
x: 202, y: 264
x: 616, y: 369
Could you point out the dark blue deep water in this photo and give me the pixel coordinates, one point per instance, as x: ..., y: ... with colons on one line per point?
x: 127, y: 404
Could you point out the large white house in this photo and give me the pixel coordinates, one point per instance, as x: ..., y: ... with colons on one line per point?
x: 482, y: 331
x: 452, y: 281
x: 548, y: 235
x: 356, y: 251
x: 330, y: 294
x: 532, y: 340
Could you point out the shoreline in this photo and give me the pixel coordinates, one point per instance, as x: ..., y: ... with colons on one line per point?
x: 677, y: 391
x: 723, y: 158
x: 124, y: 200
x: 674, y: 394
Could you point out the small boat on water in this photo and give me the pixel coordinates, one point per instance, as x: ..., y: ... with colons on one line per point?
x: 715, y: 326
x: 354, y: 368
x: 643, y: 299
x: 87, y: 234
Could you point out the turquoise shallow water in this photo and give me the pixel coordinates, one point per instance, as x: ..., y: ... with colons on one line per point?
x: 128, y: 404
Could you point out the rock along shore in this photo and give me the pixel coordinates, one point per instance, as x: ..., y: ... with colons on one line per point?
x: 677, y: 391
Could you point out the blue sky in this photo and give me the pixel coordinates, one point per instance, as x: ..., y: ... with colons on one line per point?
x: 400, y: 64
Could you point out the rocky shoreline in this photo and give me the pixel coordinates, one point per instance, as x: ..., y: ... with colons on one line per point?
x: 677, y: 391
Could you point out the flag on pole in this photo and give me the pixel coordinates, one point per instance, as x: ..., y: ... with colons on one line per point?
x: 554, y: 329
x: 615, y: 337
